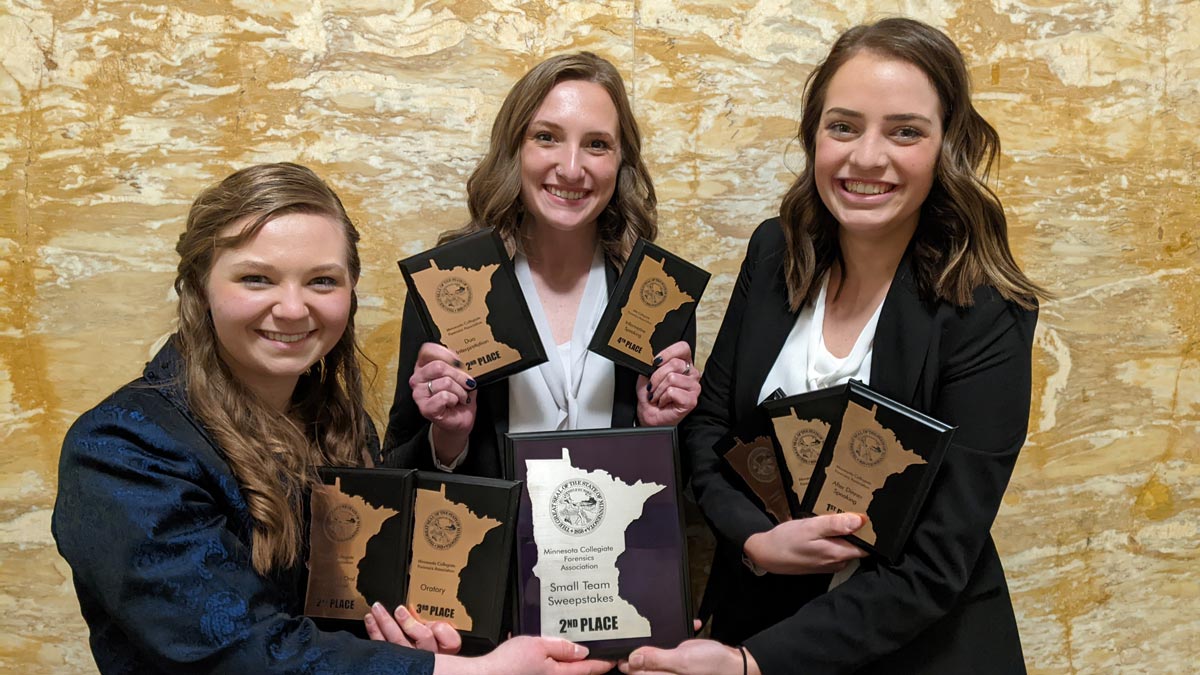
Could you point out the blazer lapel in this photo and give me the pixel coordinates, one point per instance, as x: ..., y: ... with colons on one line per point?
x: 624, y: 409
x: 902, y: 338
x: 764, y: 329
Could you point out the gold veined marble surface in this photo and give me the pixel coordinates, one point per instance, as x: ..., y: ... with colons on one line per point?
x: 115, y: 114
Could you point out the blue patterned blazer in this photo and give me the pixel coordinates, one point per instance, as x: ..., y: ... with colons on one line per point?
x: 158, y: 536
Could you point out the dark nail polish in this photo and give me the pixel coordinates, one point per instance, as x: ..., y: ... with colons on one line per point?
x: 470, y: 383
x: 657, y: 361
x: 648, y: 388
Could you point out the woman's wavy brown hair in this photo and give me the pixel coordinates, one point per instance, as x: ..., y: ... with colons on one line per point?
x: 961, y: 241
x: 494, y: 188
x: 273, y: 456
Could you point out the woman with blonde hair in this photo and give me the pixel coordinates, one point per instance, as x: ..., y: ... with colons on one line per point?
x: 182, y: 496
x: 889, y: 264
x: 564, y: 184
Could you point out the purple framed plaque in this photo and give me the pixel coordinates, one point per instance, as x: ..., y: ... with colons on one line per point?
x: 601, y: 552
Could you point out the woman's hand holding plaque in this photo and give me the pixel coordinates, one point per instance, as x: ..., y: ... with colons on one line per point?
x: 445, y: 395
x: 806, y: 546
x: 671, y: 391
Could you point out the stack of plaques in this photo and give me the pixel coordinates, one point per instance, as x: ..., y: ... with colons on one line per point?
x: 750, y: 452
x: 851, y: 449
x: 439, y: 543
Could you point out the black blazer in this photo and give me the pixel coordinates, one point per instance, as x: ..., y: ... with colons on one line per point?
x: 944, y: 608
x: 406, y: 442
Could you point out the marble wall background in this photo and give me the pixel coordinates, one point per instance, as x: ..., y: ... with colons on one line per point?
x: 115, y: 114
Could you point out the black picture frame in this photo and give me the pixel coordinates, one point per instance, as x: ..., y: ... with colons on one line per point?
x: 508, y: 315
x: 652, y: 572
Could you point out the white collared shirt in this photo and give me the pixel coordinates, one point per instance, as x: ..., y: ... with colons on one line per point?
x: 574, y: 388
x: 804, y: 364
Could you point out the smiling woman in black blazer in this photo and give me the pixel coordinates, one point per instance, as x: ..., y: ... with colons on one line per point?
x: 889, y: 263
x: 564, y: 185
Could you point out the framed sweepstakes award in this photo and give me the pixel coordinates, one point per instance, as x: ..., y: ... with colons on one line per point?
x: 601, y: 555
x: 881, y: 461
x: 801, y: 423
x: 359, y: 535
x: 463, y: 529
x: 650, y: 307
x: 467, y: 296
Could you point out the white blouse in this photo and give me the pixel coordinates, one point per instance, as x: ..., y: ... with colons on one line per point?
x: 804, y: 364
x: 574, y: 388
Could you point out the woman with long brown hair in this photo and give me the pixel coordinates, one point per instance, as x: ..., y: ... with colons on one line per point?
x: 889, y: 264
x: 181, y: 497
x: 564, y: 184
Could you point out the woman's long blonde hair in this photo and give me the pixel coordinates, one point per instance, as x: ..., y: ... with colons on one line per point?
x: 961, y: 241
x: 494, y: 188
x: 274, y: 457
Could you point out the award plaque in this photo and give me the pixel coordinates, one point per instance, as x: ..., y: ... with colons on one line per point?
x: 462, y: 543
x: 881, y: 461
x: 467, y: 296
x: 750, y: 452
x: 801, y: 424
x: 601, y: 553
x: 650, y: 307
x: 359, y: 535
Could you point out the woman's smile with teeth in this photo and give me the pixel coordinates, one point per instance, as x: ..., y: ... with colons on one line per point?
x: 285, y: 337
x: 565, y: 194
x: 864, y: 188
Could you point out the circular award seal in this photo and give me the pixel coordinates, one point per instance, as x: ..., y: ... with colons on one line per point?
x: 442, y: 529
x: 342, y: 522
x: 453, y: 294
x: 867, y: 447
x: 577, y: 506
x: 762, y: 464
x: 807, y: 444
x: 653, y: 292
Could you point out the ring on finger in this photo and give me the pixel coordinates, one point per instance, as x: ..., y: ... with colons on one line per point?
x: 687, y: 368
x: 429, y: 386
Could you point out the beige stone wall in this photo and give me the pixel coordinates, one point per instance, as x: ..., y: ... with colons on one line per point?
x: 114, y: 114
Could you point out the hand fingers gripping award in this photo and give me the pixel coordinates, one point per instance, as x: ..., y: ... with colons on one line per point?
x: 445, y: 395
x: 672, y: 390
x: 807, y: 546
x: 408, y: 630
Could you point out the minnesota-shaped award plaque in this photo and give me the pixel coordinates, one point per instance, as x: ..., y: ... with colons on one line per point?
x: 881, y: 460
x: 801, y: 423
x: 463, y: 529
x: 749, y: 452
x: 466, y: 295
x: 601, y: 554
x: 359, y: 535
x: 654, y: 301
